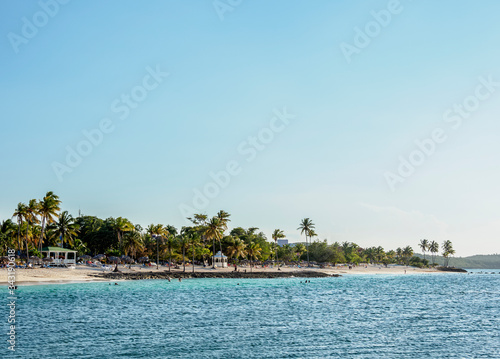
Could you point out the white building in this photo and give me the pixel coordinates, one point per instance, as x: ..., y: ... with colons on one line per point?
x: 60, y: 256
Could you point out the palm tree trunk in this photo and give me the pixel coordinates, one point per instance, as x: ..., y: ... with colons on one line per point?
x: 277, y: 259
x: 307, y: 247
x: 170, y: 258
x: 40, y: 245
x: 213, y: 255
x: 27, y: 248
x: 220, y: 247
x: 183, y: 260
x: 19, y: 236
x: 193, y: 258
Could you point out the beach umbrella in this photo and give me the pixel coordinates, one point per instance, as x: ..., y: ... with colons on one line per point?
x: 48, y: 260
x: 99, y: 257
x: 114, y: 259
x: 126, y: 259
x: 85, y: 257
x: 143, y: 259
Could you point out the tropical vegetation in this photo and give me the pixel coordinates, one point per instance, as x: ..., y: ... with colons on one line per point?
x: 41, y: 223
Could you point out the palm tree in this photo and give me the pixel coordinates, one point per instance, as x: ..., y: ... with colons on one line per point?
x: 399, y: 254
x: 19, y: 214
x: 156, y: 232
x: 370, y: 254
x: 7, y: 235
x: 213, y: 232
x: 30, y: 217
x: 407, y: 254
x: 170, y: 242
x: 236, y: 249
x: 306, y: 226
x: 253, y: 251
x: 299, y: 249
x: 223, y: 217
x: 433, y: 248
x: 132, y: 243
x: 48, y: 208
x: 379, y: 253
x: 120, y: 226
x: 447, y: 251
x: 66, y: 228
x: 424, y: 245
x: 193, y: 242
x: 200, y: 222
x: 183, y: 242
x: 277, y: 234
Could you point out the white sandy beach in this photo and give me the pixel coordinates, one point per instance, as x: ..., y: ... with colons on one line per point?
x: 86, y: 274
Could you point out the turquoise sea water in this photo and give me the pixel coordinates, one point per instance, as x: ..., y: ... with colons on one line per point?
x: 413, y: 316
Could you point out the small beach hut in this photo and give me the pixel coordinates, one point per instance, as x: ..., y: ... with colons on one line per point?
x: 60, y: 256
x: 220, y: 260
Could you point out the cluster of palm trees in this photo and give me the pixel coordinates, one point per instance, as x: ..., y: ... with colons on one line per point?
x: 433, y: 247
x: 41, y: 223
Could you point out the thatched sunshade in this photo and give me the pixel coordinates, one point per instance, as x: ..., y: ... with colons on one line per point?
x: 114, y: 259
x: 85, y: 257
x: 99, y: 257
x: 143, y: 259
x: 127, y: 259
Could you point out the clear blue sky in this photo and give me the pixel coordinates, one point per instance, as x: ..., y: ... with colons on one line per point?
x: 353, y: 120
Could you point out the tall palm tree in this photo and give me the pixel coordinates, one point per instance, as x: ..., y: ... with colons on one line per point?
x: 433, y: 248
x: 30, y: 217
x: 120, y: 226
x: 213, y: 232
x: 447, y: 251
x: 66, y: 228
x: 306, y: 226
x: 132, y: 243
x: 48, y: 208
x: 253, y: 251
x: 193, y: 243
x: 200, y: 222
x: 170, y: 242
x: 277, y: 234
x: 424, y: 245
x: 183, y: 243
x: 157, y: 231
x: 223, y: 217
x: 19, y: 214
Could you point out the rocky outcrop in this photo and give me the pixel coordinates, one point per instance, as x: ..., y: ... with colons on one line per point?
x: 214, y: 274
x: 451, y: 269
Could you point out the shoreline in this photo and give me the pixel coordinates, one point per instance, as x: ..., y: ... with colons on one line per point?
x: 84, y: 274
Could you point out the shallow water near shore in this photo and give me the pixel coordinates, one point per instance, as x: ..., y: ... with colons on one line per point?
x: 367, y: 316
